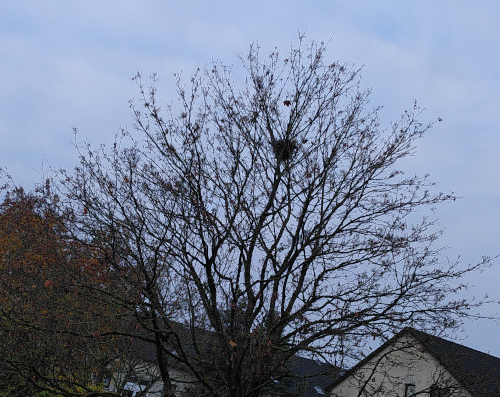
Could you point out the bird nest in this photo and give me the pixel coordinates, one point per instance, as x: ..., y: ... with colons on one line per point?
x: 284, y: 149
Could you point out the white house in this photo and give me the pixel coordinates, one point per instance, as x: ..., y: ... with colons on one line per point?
x: 138, y: 376
x: 414, y: 363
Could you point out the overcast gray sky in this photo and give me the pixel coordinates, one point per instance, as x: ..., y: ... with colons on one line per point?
x: 66, y: 63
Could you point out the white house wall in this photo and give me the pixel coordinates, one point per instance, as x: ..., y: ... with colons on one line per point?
x: 179, y: 378
x: 387, y: 374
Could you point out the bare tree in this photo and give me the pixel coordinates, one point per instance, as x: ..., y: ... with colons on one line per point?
x: 249, y: 225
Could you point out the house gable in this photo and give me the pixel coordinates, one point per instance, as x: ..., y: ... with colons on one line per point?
x: 398, y: 368
x: 419, y: 363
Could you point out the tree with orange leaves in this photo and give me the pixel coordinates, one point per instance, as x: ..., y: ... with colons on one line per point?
x: 53, y: 336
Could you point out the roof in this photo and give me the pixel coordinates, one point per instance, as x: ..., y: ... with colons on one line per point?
x: 477, y: 372
x: 318, y: 375
x: 301, y: 376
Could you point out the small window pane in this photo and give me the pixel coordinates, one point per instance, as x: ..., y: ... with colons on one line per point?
x: 106, y: 382
x: 409, y: 390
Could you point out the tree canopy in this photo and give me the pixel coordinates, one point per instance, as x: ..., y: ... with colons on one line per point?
x: 249, y: 224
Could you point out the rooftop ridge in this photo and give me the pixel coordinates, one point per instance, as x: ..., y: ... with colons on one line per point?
x: 424, y: 334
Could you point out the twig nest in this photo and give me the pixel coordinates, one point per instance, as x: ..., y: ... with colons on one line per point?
x: 284, y: 149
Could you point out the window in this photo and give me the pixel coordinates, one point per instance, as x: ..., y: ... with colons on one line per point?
x: 106, y: 382
x: 409, y: 390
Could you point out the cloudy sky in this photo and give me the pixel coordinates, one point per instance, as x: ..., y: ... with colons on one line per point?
x: 67, y: 63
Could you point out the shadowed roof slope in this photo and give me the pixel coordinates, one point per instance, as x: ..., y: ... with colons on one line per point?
x: 319, y: 376
x: 478, y: 372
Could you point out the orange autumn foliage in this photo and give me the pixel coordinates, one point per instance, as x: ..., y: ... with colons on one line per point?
x: 52, y: 332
